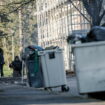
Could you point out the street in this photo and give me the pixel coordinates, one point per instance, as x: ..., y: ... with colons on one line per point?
x: 12, y: 94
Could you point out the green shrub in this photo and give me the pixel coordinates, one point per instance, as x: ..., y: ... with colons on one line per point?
x: 7, y: 71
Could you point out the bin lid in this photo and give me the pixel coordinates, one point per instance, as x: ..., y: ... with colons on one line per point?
x: 50, y: 51
x: 39, y: 48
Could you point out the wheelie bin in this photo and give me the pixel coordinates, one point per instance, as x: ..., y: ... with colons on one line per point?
x: 34, y: 69
x: 53, y: 69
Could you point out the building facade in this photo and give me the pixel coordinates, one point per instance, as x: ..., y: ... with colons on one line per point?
x: 56, y: 19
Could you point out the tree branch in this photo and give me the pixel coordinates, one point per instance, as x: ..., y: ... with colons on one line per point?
x: 102, y: 15
x: 99, y: 3
x: 79, y: 11
x: 20, y: 4
x: 87, y: 6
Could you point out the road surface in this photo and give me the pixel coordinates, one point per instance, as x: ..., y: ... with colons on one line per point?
x: 12, y: 94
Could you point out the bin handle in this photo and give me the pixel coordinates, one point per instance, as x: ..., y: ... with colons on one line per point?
x: 36, y: 63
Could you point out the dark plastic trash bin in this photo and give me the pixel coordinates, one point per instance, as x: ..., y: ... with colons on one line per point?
x: 35, y: 76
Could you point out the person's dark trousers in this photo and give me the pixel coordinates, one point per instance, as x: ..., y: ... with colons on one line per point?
x: 1, y: 70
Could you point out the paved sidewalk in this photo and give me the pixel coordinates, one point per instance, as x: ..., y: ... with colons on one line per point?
x: 22, y: 95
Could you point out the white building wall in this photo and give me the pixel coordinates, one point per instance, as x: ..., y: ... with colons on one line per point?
x: 54, y: 24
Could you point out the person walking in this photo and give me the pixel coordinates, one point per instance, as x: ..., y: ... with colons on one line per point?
x: 1, y: 63
x: 16, y: 65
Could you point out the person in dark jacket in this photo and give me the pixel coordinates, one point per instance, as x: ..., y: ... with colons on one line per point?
x: 1, y: 62
x: 16, y: 65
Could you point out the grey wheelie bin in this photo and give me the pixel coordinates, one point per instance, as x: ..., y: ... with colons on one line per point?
x: 53, y: 69
x: 90, y: 66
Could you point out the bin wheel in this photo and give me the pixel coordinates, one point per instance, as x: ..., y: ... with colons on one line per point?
x: 45, y: 88
x: 48, y: 89
x: 64, y: 88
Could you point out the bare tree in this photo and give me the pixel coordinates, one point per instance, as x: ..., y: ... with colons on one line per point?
x: 95, y: 10
x: 11, y: 6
